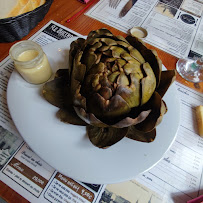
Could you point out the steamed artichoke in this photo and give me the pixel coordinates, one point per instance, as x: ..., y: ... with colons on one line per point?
x: 114, y: 86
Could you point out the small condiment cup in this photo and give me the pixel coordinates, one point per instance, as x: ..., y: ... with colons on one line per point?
x: 139, y: 32
x: 30, y: 61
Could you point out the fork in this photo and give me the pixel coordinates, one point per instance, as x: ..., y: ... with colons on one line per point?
x: 114, y: 3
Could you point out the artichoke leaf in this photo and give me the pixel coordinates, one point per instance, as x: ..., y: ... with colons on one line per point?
x: 117, y: 106
x: 88, y: 58
x: 108, y: 41
x: 167, y: 78
x: 126, y: 56
x: 106, y: 92
x: 75, y: 46
x: 94, y: 47
x: 136, y: 42
x: 121, y: 38
x: 95, y: 80
x: 162, y: 112
x: 130, y: 95
x: 77, y: 98
x: 105, y: 137
x: 141, y: 136
x: 79, y: 72
x: 132, y: 68
x: 124, y: 44
x: 136, y: 54
x: 54, y: 91
x: 68, y: 115
x: 62, y: 73
x: 117, y: 51
x: 89, y: 118
x: 128, y: 121
x: 112, y: 77
x: 99, y: 56
x: 97, y: 69
x: 148, y: 55
x: 123, y: 80
x: 79, y: 69
x: 148, y: 83
x: 120, y: 62
x: 109, y: 54
x: 92, y: 42
x: 103, y: 108
x: 99, y: 33
x: 155, y: 63
x: 114, y: 68
x: 104, y: 48
x: 155, y: 104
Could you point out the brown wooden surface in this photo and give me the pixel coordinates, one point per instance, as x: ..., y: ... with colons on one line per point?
x: 60, y: 11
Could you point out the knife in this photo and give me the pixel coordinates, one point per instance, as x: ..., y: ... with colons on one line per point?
x: 127, y: 7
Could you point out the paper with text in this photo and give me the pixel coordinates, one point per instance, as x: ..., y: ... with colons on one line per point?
x: 173, y: 26
x: 177, y: 177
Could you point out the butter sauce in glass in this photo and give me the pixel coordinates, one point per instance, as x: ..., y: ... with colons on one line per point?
x: 30, y: 61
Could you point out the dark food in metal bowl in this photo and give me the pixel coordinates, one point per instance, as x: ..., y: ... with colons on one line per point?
x: 114, y: 86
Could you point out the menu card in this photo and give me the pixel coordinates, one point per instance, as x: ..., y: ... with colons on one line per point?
x: 177, y: 177
x: 173, y: 26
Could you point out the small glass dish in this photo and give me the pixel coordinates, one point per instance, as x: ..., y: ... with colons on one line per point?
x: 30, y: 61
x: 139, y: 32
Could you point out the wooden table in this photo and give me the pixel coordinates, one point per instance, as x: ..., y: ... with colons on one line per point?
x: 60, y: 11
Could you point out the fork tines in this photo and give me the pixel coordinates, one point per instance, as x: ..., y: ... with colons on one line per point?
x: 114, y: 3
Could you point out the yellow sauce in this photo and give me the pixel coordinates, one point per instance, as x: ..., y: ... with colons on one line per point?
x: 138, y: 32
x: 38, y: 71
x: 27, y: 55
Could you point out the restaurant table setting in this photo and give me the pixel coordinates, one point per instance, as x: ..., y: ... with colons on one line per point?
x: 56, y: 147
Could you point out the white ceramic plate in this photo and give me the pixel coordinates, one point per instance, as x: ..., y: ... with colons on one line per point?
x: 67, y: 148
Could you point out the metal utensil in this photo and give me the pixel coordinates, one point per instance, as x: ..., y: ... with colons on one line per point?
x: 127, y: 7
